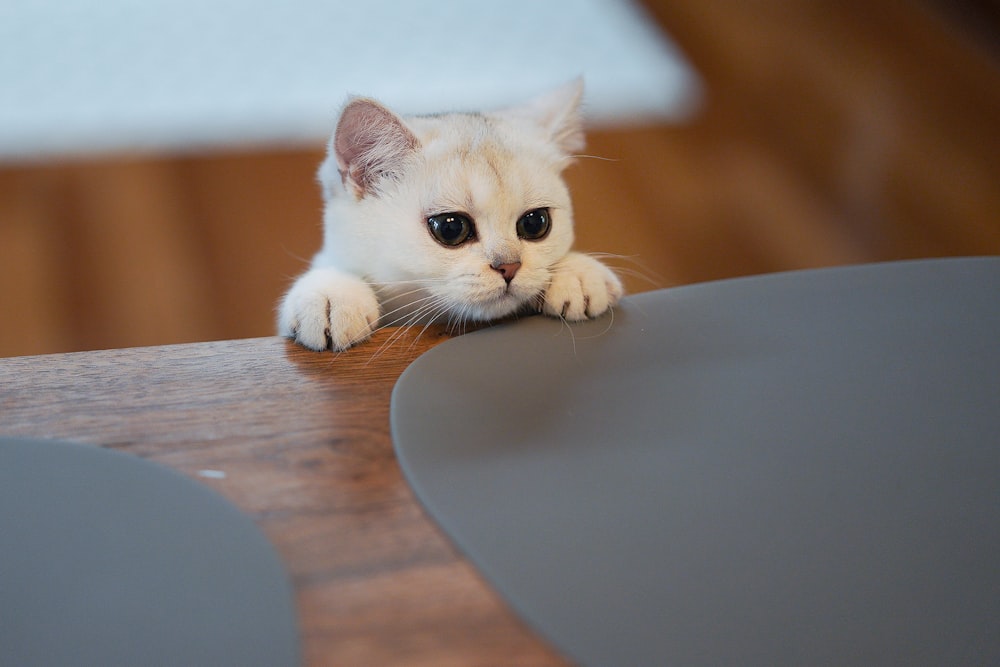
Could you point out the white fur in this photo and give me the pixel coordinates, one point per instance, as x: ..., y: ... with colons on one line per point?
x: 384, y: 177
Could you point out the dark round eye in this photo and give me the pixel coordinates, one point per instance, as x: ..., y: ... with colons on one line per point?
x: 534, y: 225
x: 451, y: 229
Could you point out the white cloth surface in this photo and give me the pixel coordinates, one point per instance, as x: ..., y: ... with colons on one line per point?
x: 83, y: 76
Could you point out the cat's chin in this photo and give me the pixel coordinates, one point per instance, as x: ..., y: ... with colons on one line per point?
x: 496, y: 309
x: 469, y: 310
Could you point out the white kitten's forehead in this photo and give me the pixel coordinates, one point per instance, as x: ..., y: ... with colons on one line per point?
x: 494, y: 184
x: 474, y: 168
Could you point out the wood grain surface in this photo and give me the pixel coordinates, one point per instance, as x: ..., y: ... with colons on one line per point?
x: 303, y: 441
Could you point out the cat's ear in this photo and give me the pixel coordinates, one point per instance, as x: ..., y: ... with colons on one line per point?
x: 371, y: 143
x: 558, y: 112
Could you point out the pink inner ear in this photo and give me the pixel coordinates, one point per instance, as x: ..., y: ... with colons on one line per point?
x: 370, y: 143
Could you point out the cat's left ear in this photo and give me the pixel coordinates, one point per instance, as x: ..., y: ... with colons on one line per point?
x: 370, y: 144
x: 558, y: 112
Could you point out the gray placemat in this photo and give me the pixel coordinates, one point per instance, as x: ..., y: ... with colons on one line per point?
x: 794, y: 469
x: 107, y: 560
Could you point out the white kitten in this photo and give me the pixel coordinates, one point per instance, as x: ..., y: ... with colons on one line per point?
x: 449, y: 217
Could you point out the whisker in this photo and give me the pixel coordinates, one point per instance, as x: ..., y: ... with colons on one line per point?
x: 420, y: 308
x: 569, y: 327
x: 430, y: 321
x: 430, y: 309
x: 643, y: 272
x: 296, y: 256
x: 373, y: 332
x: 416, y: 281
x: 639, y: 269
x: 611, y: 323
x: 593, y: 157
x: 458, y: 320
x: 381, y: 291
x: 387, y: 317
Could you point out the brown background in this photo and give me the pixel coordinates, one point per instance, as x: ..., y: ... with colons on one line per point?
x: 831, y: 133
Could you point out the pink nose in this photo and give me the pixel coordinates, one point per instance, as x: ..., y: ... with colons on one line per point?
x: 507, y: 270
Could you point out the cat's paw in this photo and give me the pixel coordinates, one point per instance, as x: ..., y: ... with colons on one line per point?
x: 581, y: 287
x: 327, y: 309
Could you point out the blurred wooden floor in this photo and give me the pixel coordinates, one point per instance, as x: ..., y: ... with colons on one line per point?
x: 831, y: 133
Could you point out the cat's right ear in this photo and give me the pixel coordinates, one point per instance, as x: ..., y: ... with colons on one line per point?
x: 370, y: 144
x: 558, y: 112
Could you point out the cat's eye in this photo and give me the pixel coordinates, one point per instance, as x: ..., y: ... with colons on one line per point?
x: 534, y: 225
x: 451, y: 229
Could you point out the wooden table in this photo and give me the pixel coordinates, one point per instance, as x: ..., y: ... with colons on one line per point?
x: 303, y: 442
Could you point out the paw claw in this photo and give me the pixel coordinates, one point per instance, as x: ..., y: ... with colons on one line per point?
x: 328, y: 310
x: 581, y: 288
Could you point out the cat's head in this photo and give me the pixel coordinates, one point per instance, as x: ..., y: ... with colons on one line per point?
x: 469, y: 209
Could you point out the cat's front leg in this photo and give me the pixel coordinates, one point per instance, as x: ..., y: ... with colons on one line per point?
x: 327, y: 308
x: 581, y: 287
